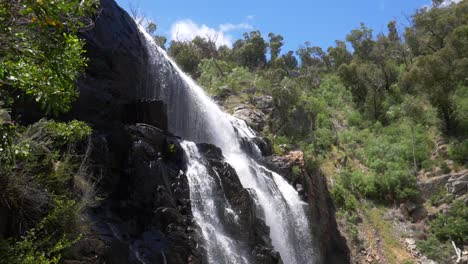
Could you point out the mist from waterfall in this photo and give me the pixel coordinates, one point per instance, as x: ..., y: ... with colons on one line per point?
x: 195, y: 117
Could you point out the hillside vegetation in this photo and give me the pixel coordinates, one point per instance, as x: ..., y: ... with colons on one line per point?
x: 368, y: 111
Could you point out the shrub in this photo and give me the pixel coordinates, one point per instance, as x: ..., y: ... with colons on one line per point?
x: 343, y: 198
x: 44, y: 243
x: 435, y: 250
x: 452, y: 225
x: 458, y: 151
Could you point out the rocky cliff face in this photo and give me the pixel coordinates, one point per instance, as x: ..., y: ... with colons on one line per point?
x: 145, y: 213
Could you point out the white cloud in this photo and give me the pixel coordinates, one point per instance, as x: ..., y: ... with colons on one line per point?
x: 186, y: 30
x: 250, y: 17
x: 445, y: 3
x: 448, y: 2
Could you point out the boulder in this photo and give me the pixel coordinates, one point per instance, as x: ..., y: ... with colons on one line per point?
x: 263, y: 102
x: 458, y: 183
x: 253, y: 117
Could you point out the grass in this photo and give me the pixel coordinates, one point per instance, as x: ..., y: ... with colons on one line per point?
x: 393, y: 249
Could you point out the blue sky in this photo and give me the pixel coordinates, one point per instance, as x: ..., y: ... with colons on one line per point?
x: 319, y: 22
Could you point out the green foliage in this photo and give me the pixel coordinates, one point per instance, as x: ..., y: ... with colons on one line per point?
x: 460, y: 102
x: 435, y: 250
x: 296, y: 170
x: 71, y: 132
x: 250, y: 52
x: 441, y: 66
x: 381, y: 105
x: 45, y: 242
x: 41, y: 56
x: 458, y: 151
x: 452, y: 225
x: 343, y: 198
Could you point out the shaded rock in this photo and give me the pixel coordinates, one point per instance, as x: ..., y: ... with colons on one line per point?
x: 147, y: 112
x: 145, y: 212
x: 458, y: 183
x: 284, y: 164
x: 432, y: 185
x: 413, y: 211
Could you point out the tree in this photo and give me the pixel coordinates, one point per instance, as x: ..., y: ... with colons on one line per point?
x: 362, y: 42
x: 289, y: 60
x: 158, y: 39
x: 276, y: 42
x: 339, y: 54
x: 250, y: 52
x: 313, y: 56
x: 439, y: 37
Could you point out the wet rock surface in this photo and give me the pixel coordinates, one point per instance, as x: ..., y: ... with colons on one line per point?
x: 144, y: 214
x: 249, y: 227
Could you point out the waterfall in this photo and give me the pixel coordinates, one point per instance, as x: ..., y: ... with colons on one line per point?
x: 195, y: 117
x: 208, y: 208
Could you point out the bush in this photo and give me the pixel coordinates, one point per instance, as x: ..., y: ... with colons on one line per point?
x: 458, y: 151
x: 45, y: 242
x: 452, y: 225
x: 435, y: 250
x: 343, y: 198
x: 46, y: 187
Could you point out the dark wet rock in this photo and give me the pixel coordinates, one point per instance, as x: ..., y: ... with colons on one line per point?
x: 264, y: 144
x: 147, y: 112
x: 145, y: 212
x: 116, y: 74
x: 252, y: 146
x: 249, y: 227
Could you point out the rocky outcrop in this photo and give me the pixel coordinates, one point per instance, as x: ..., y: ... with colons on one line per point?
x: 116, y: 72
x: 455, y: 183
x: 253, y: 117
x: 144, y: 215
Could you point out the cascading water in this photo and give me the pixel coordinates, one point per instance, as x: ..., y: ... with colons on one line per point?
x: 208, y: 212
x: 194, y: 116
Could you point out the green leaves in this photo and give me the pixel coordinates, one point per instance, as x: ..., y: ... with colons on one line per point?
x: 452, y: 225
x: 42, y: 58
x: 71, y: 132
